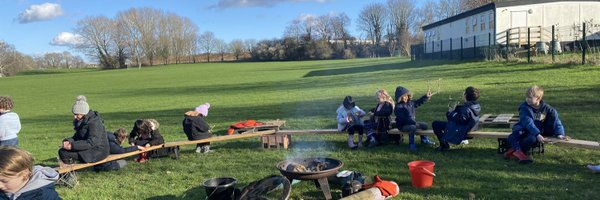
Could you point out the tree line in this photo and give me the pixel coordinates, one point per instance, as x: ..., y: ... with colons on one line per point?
x: 148, y: 36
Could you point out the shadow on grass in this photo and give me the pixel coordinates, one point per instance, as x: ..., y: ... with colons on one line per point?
x: 373, y: 68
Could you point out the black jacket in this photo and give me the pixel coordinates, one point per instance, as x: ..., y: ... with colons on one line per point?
x: 406, y: 114
x: 196, y: 128
x: 382, y: 117
x: 115, y: 147
x: 89, y: 140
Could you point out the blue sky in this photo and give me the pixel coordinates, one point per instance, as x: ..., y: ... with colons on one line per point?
x: 34, y: 27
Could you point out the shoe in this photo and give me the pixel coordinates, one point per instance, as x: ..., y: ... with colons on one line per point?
x: 523, y: 158
x: 198, y: 149
x: 427, y: 141
x: 412, y: 147
x: 142, y: 158
x: 509, y: 154
x: 595, y: 168
x: 464, y: 142
x: 206, y: 149
x: 442, y: 148
x: 360, y: 144
x: 373, y: 143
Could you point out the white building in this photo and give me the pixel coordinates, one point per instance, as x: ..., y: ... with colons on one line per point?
x: 489, y: 24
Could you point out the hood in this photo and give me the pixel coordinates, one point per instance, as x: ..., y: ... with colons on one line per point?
x: 474, y: 107
x: 400, y: 91
x: 42, y: 176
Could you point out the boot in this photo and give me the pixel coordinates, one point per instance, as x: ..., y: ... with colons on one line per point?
x: 509, y: 154
x: 523, y: 158
x: 351, y: 142
x: 426, y: 140
x: 360, y: 141
x: 411, y: 142
x: 198, y: 149
x: 142, y: 158
x: 206, y: 149
x: 444, y: 146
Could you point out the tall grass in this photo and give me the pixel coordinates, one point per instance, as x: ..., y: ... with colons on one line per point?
x: 306, y: 94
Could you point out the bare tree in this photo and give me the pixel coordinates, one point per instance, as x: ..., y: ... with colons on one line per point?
x: 371, y: 20
x: 294, y: 30
x: 249, y: 45
x: 221, y: 48
x: 97, y: 37
x: 401, y: 18
x: 323, y: 26
x: 207, y: 43
x: 237, y: 48
x: 340, y: 28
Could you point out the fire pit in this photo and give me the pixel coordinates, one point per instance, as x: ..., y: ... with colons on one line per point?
x: 316, y: 169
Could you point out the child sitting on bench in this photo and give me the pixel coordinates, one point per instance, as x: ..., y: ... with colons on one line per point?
x: 196, y: 128
x: 537, y: 120
x: 406, y: 111
x: 379, y: 124
x: 348, y: 118
x: 145, y: 133
x: 461, y: 120
x: 21, y: 179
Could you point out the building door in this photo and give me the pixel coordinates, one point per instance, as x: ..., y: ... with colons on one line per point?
x: 518, y: 19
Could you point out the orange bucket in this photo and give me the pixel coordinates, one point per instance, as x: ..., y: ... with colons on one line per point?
x: 422, y: 172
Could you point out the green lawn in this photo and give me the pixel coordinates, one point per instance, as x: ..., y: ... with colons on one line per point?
x: 306, y: 94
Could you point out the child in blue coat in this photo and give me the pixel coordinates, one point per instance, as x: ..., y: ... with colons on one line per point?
x: 406, y: 110
x: 348, y: 118
x: 537, y: 120
x: 461, y: 120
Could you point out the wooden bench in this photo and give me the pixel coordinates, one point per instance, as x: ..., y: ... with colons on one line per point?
x: 268, y: 125
x: 501, y: 119
x: 112, y: 157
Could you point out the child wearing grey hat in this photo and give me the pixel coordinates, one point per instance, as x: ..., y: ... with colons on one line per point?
x: 10, y: 124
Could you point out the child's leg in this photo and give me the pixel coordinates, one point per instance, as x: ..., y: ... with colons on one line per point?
x: 514, y: 140
x: 411, y: 129
x: 438, y: 129
x: 361, y: 131
x: 68, y: 157
x: 424, y: 138
x: 351, y: 131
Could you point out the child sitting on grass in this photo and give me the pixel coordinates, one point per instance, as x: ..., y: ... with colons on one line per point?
x: 20, y: 179
x: 537, y: 120
x: 145, y: 133
x: 114, y: 141
x: 348, y: 118
x: 196, y: 128
x: 461, y: 120
x: 406, y: 111
x: 10, y: 125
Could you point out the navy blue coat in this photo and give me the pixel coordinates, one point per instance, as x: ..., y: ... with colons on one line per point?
x: 196, y: 128
x: 47, y: 192
x: 461, y: 120
x: 543, y: 121
x: 115, y: 147
x: 406, y: 113
x: 89, y: 140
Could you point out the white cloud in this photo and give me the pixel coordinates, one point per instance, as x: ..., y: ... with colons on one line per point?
x: 222, y: 4
x: 66, y: 39
x: 40, y: 12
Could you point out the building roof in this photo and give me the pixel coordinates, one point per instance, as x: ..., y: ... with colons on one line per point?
x: 491, y: 6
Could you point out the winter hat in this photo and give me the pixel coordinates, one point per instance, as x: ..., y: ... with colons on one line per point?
x: 81, y: 106
x: 349, y: 102
x: 203, y: 109
x: 400, y: 91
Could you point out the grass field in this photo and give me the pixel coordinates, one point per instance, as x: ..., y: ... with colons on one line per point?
x: 306, y: 94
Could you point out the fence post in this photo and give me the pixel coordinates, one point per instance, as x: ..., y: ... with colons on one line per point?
x: 441, y: 49
x: 451, y: 57
x: 553, y: 45
x: 584, y: 45
x: 461, y: 48
x: 507, y: 42
x: 489, y: 46
x: 432, y: 50
x: 474, y: 47
x: 528, y: 45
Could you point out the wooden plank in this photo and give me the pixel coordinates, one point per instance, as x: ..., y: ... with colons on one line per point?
x: 73, y: 167
x: 220, y: 138
x: 574, y: 143
x: 309, y: 131
x: 484, y: 117
x: 503, y: 118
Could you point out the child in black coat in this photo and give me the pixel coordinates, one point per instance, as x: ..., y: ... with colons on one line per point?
x: 196, y: 128
x: 379, y: 123
x: 145, y: 133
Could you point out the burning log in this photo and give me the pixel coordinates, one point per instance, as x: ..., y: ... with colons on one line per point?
x: 314, y: 166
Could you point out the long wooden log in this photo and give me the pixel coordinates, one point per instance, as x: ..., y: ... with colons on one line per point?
x: 73, y: 167
x: 221, y: 138
x: 475, y: 134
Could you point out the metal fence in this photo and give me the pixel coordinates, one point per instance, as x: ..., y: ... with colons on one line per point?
x: 577, y: 43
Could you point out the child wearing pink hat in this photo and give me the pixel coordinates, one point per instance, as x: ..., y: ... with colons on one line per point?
x: 196, y: 128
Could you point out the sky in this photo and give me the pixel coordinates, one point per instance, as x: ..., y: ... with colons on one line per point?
x: 36, y: 27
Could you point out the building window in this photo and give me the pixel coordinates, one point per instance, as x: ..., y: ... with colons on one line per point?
x: 482, y: 21
x: 467, y: 30
x: 492, y: 20
x: 474, y: 24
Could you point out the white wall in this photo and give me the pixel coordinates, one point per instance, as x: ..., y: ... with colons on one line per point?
x: 561, y: 14
x: 441, y: 35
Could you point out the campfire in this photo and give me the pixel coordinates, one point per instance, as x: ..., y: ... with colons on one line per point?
x: 315, y: 169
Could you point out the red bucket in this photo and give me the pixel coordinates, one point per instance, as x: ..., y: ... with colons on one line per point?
x: 422, y: 172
